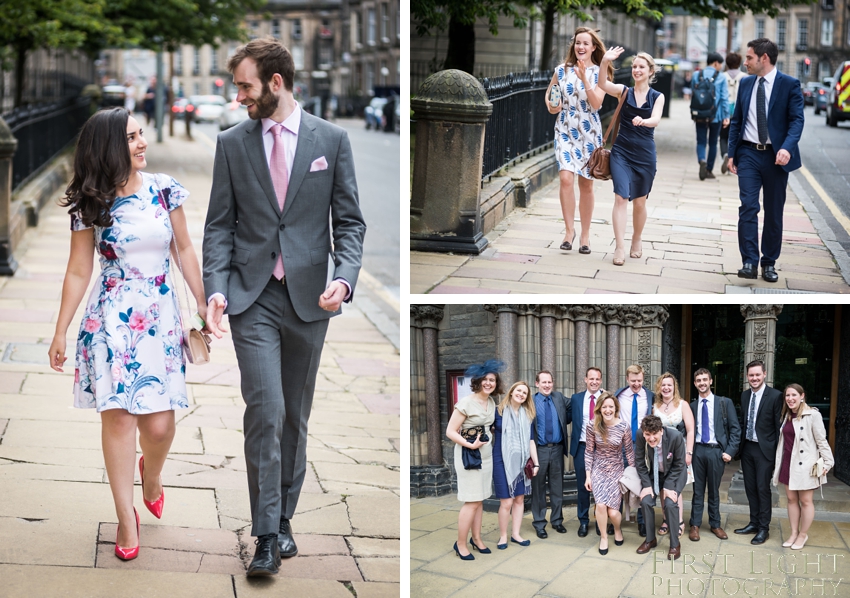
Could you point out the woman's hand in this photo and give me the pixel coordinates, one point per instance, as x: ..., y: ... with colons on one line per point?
x: 535, y: 470
x: 637, y: 121
x: 613, y: 54
x: 56, y: 353
x: 688, y: 459
x: 587, y: 485
x: 478, y: 443
x: 581, y: 71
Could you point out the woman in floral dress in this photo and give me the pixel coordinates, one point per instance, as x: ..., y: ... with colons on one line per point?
x: 129, y: 356
x: 578, y: 129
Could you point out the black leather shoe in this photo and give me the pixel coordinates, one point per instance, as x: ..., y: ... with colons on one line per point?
x: 760, y: 538
x: 748, y: 271
x: 266, y: 557
x: 559, y: 528
x: 768, y: 273
x: 642, y: 530
x: 541, y: 533
x: 748, y: 529
x: 285, y: 542
x: 582, y: 530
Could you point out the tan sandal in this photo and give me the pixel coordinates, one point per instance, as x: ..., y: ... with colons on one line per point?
x: 636, y: 254
x: 619, y: 261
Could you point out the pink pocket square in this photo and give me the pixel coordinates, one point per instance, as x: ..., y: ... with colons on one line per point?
x: 319, y: 164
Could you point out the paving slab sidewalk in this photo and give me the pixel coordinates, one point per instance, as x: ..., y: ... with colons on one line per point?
x: 57, y: 518
x: 689, y: 243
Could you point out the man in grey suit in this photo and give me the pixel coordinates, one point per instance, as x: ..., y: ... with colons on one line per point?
x: 663, y: 474
x: 283, y: 190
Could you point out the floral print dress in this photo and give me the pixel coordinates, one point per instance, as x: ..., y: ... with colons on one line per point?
x: 578, y: 130
x: 129, y: 350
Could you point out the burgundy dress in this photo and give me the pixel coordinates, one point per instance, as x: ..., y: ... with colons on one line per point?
x: 787, y: 447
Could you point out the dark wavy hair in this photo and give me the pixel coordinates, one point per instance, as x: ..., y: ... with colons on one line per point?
x: 101, y: 165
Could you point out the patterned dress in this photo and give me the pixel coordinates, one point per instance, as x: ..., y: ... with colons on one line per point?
x: 604, y: 462
x: 578, y: 130
x: 129, y: 350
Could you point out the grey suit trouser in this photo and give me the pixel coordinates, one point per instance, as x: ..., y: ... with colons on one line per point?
x: 708, y: 467
x: 278, y: 357
x: 671, y: 513
x: 551, y: 475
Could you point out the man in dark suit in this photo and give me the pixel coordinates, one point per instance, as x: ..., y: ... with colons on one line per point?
x: 761, y: 407
x: 766, y: 127
x: 660, y: 462
x: 583, y: 404
x: 550, y: 435
x: 635, y: 402
x: 717, y: 437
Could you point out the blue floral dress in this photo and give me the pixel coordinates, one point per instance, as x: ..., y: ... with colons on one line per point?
x: 129, y: 350
x: 578, y: 130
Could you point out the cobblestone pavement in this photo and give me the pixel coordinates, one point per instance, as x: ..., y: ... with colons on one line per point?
x: 689, y: 244
x: 57, y: 518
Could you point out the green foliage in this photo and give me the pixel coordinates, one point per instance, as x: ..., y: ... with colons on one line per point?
x: 435, y: 14
x: 29, y: 24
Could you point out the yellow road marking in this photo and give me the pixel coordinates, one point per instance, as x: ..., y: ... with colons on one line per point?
x: 203, y: 138
x: 843, y: 220
x: 376, y: 287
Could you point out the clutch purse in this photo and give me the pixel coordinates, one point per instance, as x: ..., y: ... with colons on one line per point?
x: 196, y: 346
x: 529, y: 468
x: 817, y: 468
x: 690, y: 474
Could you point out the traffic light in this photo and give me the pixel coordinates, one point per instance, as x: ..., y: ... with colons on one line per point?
x: 219, y: 82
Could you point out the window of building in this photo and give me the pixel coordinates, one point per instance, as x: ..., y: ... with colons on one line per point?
x: 780, y: 66
x: 276, y: 28
x: 370, y: 27
x: 298, y: 57
x: 213, y: 61
x: 326, y: 55
x: 178, y: 62
x: 356, y: 38
x: 197, y: 88
x: 826, y: 28
x: 196, y: 61
x: 824, y: 70
x: 828, y: 4
x: 759, y: 28
x: 296, y: 29
x: 801, y: 70
x: 385, y: 22
x: 802, y: 33
x: 780, y: 33
x: 254, y: 26
x: 370, y: 79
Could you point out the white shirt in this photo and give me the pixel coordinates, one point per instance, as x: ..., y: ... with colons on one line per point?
x: 712, y: 439
x: 751, y: 127
x: 626, y: 397
x: 585, y: 411
x: 758, y: 396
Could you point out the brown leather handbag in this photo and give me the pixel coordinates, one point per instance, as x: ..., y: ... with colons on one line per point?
x: 599, y: 164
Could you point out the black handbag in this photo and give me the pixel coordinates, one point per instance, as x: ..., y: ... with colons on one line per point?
x: 472, y: 457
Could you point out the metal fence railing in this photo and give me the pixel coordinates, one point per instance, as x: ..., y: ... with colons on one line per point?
x: 42, y: 132
x: 421, y: 70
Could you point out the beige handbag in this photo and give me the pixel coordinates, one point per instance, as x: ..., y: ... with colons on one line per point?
x: 196, y: 344
x: 599, y: 164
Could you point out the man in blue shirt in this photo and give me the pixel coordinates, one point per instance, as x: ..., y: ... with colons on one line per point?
x: 549, y: 432
x: 709, y: 127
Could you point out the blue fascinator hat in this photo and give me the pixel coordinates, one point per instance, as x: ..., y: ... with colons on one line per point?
x: 479, y: 370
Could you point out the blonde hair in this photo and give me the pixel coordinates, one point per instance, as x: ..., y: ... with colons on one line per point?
x: 676, y: 396
x: 634, y: 369
x: 649, y: 61
x: 598, y: 421
x: 528, y: 404
x: 596, y: 55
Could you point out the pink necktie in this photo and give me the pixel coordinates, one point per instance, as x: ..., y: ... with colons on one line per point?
x: 280, y: 181
x: 592, y: 406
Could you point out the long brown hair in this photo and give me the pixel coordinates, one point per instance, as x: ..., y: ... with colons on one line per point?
x: 598, y: 421
x: 101, y: 165
x: 596, y: 55
x: 529, y: 401
x: 676, y: 396
x: 786, y: 411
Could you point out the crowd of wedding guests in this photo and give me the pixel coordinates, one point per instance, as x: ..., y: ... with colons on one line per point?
x: 633, y: 449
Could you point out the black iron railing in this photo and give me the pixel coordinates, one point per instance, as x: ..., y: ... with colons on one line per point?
x: 42, y: 132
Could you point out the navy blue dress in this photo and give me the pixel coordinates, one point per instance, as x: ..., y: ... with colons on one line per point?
x: 633, y: 155
x: 500, y: 480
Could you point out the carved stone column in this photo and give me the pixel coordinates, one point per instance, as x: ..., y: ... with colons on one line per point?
x: 760, y: 337
x: 647, y: 324
x: 506, y: 338
x: 582, y: 315
x: 547, y: 337
x: 613, y: 317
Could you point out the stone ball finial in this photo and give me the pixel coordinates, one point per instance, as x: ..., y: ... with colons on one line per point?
x: 8, y: 143
x: 452, y: 95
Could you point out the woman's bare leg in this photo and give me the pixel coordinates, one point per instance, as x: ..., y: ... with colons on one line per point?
x: 156, y: 432
x: 567, y: 195
x: 638, y: 222
x: 516, y: 516
x: 118, y: 437
x: 585, y: 208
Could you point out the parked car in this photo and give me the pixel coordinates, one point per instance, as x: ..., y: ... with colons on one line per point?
x: 375, y: 113
x: 179, y: 108
x: 810, y: 91
x: 207, y: 108
x: 838, y: 103
x: 112, y: 95
x: 233, y: 114
x: 821, y: 98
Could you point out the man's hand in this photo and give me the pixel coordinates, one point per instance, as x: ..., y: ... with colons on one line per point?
x: 671, y: 494
x: 725, y: 122
x: 215, y: 310
x: 731, y: 166
x: 726, y: 457
x: 645, y: 492
x: 332, y: 298
x: 782, y: 157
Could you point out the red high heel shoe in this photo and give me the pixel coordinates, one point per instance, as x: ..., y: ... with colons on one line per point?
x: 156, y: 506
x: 128, y: 554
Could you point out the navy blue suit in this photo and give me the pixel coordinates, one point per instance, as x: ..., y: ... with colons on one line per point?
x: 757, y: 169
x: 576, y: 417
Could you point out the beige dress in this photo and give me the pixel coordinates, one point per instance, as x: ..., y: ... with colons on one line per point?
x: 474, y: 485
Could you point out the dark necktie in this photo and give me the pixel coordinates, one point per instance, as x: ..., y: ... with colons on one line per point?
x: 592, y: 406
x: 550, y: 432
x: 634, y: 417
x: 761, y: 112
x: 751, y: 423
x: 704, y: 424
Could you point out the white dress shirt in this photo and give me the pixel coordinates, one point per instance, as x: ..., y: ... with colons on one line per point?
x: 626, y: 397
x: 289, y: 136
x: 757, y: 399
x: 712, y: 439
x: 751, y: 127
x: 585, y: 411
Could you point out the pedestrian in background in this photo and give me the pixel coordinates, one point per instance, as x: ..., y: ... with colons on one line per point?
x: 733, y: 76
x: 129, y: 364
x: 710, y: 111
x: 578, y: 128
x: 129, y: 96
x: 633, y: 155
x: 149, y: 103
x: 803, y: 458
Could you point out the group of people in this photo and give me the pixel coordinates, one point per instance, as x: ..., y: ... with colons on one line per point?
x: 761, y: 133
x: 632, y: 447
x: 283, y: 190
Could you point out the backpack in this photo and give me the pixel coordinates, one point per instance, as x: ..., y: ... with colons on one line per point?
x: 703, y: 105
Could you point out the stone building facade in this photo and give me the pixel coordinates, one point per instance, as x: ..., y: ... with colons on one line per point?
x: 567, y: 339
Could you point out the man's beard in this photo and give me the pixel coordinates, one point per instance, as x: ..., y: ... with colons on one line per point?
x: 266, y: 104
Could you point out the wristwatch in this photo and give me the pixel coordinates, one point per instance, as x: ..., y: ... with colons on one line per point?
x: 690, y: 452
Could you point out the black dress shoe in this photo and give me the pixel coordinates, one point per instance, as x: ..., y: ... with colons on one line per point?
x: 541, y: 533
x: 748, y: 529
x: 768, y: 273
x: 266, y: 557
x: 748, y: 271
x: 760, y: 538
x: 642, y: 530
x: 559, y: 528
x: 285, y: 542
x: 582, y: 530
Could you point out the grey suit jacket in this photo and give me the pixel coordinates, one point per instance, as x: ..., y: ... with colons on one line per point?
x: 673, y: 447
x: 245, y: 229
x: 727, y: 429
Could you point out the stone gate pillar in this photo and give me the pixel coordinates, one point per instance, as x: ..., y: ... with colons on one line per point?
x: 451, y: 110
x: 8, y: 145
x: 506, y: 339
x: 760, y: 337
